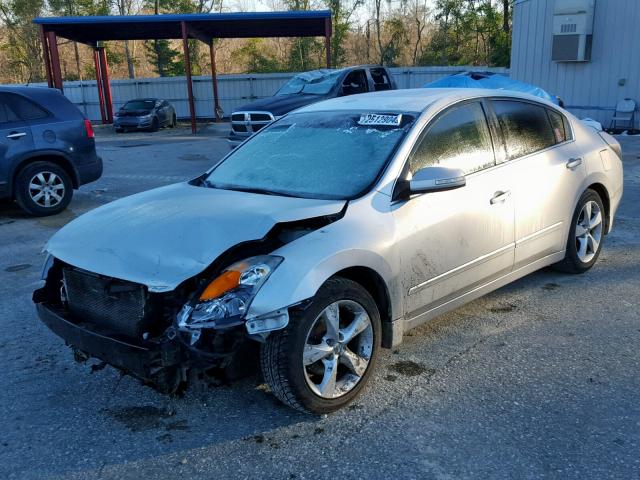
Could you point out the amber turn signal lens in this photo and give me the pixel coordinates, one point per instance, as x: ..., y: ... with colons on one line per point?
x: 225, y: 282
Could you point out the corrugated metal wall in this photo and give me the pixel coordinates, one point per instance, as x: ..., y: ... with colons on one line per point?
x: 234, y: 90
x: 589, y: 89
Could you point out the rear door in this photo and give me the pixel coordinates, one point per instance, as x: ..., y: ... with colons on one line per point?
x: 15, y: 139
x: 546, y: 175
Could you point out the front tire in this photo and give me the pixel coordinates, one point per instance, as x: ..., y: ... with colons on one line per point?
x: 174, y: 122
x: 586, y: 234
x: 322, y: 360
x: 155, y: 125
x: 43, y: 188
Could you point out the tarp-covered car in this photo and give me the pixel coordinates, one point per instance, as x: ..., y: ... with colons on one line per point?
x: 490, y: 80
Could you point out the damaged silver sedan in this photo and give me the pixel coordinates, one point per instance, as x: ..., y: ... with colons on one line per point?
x: 329, y: 234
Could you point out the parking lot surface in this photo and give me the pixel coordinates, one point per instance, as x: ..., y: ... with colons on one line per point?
x: 540, y: 379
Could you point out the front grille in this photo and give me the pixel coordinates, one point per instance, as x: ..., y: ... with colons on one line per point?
x: 246, y: 123
x: 261, y: 117
x: 115, y: 306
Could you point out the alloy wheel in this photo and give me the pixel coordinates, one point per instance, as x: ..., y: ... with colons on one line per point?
x: 588, y: 231
x: 338, y: 349
x: 46, y: 189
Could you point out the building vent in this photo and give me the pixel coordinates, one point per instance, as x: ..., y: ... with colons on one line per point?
x: 572, y: 30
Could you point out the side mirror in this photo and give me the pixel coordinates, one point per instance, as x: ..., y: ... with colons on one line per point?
x: 436, y: 179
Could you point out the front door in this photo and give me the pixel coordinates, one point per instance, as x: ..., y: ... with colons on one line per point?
x: 453, y: 241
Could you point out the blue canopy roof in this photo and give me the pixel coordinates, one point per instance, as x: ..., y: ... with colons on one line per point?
x: 204, y: 26
x: 489, y: 80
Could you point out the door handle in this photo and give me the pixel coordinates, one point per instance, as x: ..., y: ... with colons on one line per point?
x: 14, y: 135
x: 499, y: 197
x: 573, y: 163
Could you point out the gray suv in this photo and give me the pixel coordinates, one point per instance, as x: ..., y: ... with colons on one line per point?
x: 47, y: 148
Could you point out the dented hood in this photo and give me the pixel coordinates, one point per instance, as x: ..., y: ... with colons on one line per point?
x: 164, y: 236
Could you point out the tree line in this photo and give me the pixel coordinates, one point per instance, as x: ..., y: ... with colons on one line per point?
x: 389, y: 32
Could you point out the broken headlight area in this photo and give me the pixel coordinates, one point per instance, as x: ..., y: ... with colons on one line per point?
x: 224, y: 302
x: 123, y: 324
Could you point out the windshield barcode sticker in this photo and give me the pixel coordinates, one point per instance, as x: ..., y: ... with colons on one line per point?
x: 380, y: 119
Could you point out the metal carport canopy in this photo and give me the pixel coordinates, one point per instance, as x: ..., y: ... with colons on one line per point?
x: 206, y: 27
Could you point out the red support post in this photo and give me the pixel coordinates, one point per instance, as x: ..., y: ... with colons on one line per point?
x: 55, y: 60
x: 96, y: 60
x: 327, y: 40
x: 46, y: 56
x: 187, y: 67
x: 106, y: 84
x: 214, y: 81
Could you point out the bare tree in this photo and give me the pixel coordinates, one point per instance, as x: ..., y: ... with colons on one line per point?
x: 129, y: 7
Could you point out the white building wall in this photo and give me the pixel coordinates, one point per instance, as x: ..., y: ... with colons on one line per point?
x: 589, y: 89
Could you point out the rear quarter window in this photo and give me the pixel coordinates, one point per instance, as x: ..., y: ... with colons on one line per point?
x: 7, y: 115
x: 560, y: 126
x: 525, y: 126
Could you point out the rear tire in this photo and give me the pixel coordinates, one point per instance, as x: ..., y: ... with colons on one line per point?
x: 119, y: 130
x: 315, y: 367
x: 43, y: 188
x: 174, y: 122
x: 586, y: 235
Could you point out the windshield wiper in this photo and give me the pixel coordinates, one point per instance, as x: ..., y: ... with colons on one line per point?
x: 260, y: 191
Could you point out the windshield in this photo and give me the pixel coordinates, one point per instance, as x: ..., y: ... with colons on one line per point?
x: 139, y: 105
x: 317, y: 82
x: 329, y: 155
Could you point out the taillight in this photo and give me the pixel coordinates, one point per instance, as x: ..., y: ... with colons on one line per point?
x: 89, y: 128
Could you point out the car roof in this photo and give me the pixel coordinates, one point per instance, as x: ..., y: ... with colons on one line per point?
x: 31, y: 92
x: 50, y: 98
x: 413, y: 99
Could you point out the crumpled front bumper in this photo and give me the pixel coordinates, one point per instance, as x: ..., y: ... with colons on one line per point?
x: 140, y: 361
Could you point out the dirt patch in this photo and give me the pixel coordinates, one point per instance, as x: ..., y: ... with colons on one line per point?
x: 165, y: 438
x: 411, y: 369
x: 18, y: 267
x: 193, y: 157
x: 145, y: 418
x: 503, y: 308
x: 57, y: 221
x: 550, y: 286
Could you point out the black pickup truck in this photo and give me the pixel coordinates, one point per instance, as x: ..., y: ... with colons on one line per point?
x: 304, y: 89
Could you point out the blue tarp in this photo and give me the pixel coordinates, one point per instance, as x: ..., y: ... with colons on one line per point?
x: 489, y: 80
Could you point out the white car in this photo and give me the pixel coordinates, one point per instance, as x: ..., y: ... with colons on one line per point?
x: 331, y: 233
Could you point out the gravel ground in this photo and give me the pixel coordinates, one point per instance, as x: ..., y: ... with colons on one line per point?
x: 540, y: 379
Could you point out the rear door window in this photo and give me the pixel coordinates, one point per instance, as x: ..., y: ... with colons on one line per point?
x: 459, y: 138
x: 381, y: 80
x: 526, y: 127
x: 25, y: 108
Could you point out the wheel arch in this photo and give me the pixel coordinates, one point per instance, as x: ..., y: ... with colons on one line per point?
x: 375, y: 285
x: 54, y: 157
x: 602, y: 191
